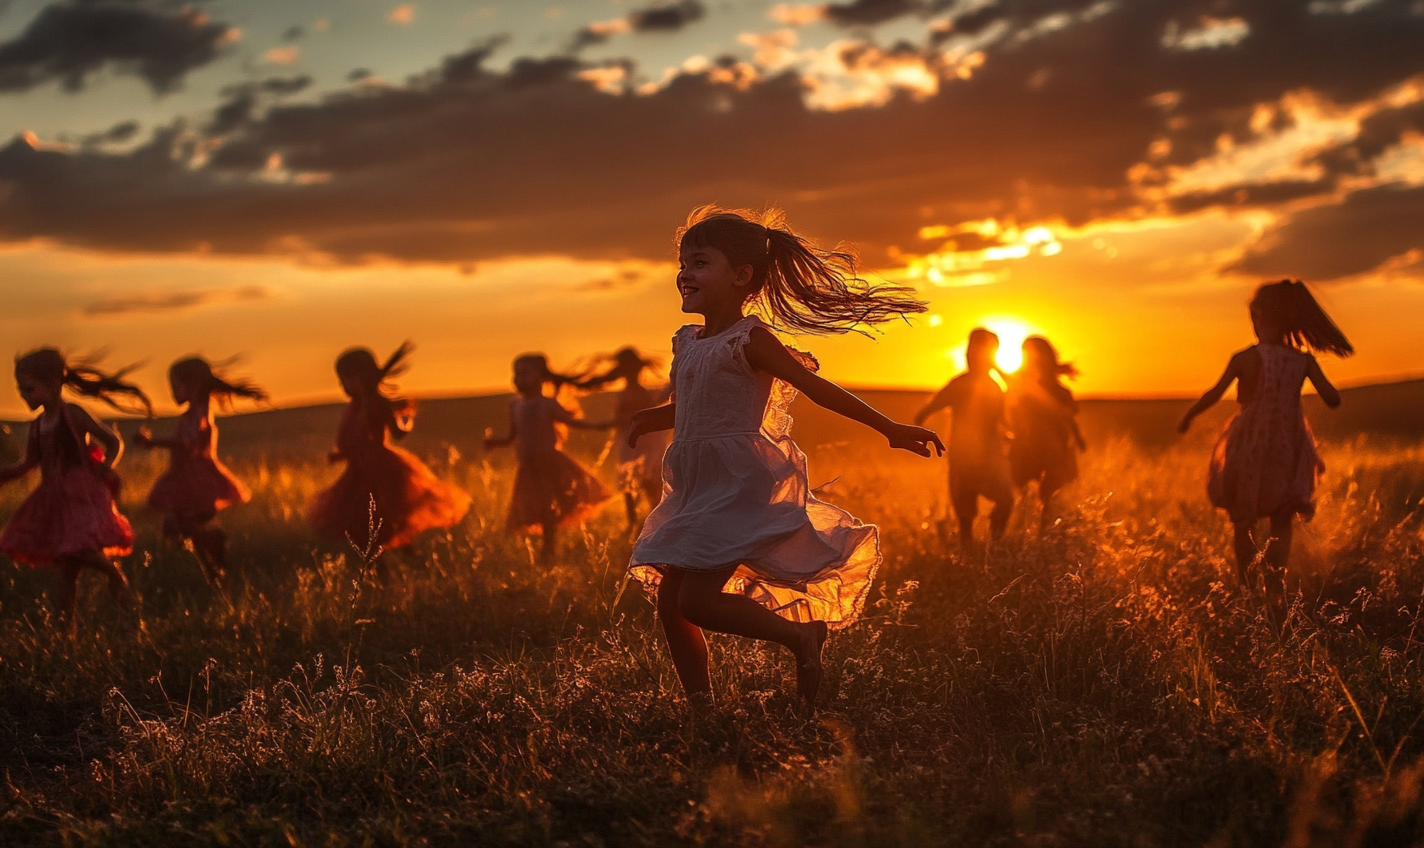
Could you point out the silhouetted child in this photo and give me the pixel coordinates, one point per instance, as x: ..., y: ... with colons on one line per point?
x: 640, y: 467
x: 196, y: 484
x: 977, y: 464
x: 551, y: 490
x: 69, y: 521
x: 739, y: 543
x: 407, y: 497
x: 1043, y: 419
x: 1265, y: 464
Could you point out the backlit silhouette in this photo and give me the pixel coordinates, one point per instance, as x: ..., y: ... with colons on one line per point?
x: 1043, y: 419
x: 640, y: 466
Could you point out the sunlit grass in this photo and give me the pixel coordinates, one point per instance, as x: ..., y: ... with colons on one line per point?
x: 1103, y: 684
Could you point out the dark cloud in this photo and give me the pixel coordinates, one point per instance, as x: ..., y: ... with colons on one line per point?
x: 117, y: 134
x: 171, y: 301
x: 668, y: 17
x: 865, y: 12
x: 1368, y: 229
x: 243, y: 100
x: 294, y: 33
x: 467, y: 163
x: 71, y: 41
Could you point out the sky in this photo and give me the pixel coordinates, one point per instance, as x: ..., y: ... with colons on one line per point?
x: 278, y: 180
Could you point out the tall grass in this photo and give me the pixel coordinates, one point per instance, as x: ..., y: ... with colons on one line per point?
x: 1103, y: 683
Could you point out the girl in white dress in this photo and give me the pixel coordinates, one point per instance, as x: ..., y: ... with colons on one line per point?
x: 739, y: 544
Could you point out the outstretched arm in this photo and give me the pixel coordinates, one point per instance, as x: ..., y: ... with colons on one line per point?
x: 567, y: 417
x: 652, y: 420
x: 938, y: 402
x: 1213, y: 394
x: 1322, y: 384
x: 492, y: 442
x: 144, y: 439
x: 764, y: 352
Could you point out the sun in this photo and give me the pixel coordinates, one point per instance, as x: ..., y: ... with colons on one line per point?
x: 1011, y: 332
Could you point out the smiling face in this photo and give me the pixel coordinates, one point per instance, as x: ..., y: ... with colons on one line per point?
x: 708, y: 282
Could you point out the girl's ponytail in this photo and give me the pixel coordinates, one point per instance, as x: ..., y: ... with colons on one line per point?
x: 202, y: 376
x: 799, y: 286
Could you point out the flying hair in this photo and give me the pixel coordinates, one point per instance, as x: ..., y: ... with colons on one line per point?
x: 625, y: 363
x: 1046, y: 356
x: 1289, y: 308
x: 359, y: 365
x: 203, y: 376
x: 82, y: 378
x: 538, y: 363
x: 796, y: 285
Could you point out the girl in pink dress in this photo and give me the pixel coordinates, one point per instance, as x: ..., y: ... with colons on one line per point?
x: 1043, y: 418
x: 69, y: 521
x: 406, y: 497
x: 640, y: 467
x: 1265, y: 464
x: 196, y: 484
x: 739, y: 543
x: 551, y: 490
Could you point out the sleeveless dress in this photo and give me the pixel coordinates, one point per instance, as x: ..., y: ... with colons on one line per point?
x: 550, y: 486
x: 196, y: 482
x: 735, y: 491
x: 408, y: 497
x: 1265, y: 461
x: 1041, y: 419
x: 72, y: 510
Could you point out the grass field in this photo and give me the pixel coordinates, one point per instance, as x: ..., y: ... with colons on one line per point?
x: 1101, y: 684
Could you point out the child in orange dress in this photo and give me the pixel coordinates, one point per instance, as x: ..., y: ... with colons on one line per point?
x: 197, y: 484
x: 551, y: 490
x: 640, y: 468
x: 407, y: 498
x: 978, y: 466
x: 1043, y: 418
x: 69, y: 521
x: 1265, y: 464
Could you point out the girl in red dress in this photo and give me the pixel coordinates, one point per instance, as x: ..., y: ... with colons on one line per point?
x: 196, y: 484
x: 1265, y: 464
x: 405, y: 496
x: 551, y: 490
x: 69, y: 521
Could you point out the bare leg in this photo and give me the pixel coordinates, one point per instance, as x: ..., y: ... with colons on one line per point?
x: 685, y: 641
x: 999, y: 517
x: 1278, y: 552
x: 1045, y: 496
x: 702, y: 602
x: 630, y: 507
x: 1245, y: 548
x: 551, y: 543
x: 69, y: 568
x: 66, y: 588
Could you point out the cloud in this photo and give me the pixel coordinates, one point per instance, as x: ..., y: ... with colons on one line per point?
x: 71, y: 41
x: 402, y: 14
x: 161, y: 302
x: 665, y: 18
x: 1371, y: 228
x: 1047, y: 113
x: 283, y: 55
x: 865, y: 12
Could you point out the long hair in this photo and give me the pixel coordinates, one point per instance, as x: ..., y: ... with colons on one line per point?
x: 798, y: 286
x: 1290, y: 308
x: 358, y: 364
x: 1045, y: 356
x: 537, y: 364
x: 82, y: 378
x: 624, y: 364
x: 198, y: 373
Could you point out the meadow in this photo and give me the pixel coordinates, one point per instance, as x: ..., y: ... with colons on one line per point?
x: 1102, y: 683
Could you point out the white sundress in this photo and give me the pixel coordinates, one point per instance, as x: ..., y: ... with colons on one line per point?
x: 735, y: 491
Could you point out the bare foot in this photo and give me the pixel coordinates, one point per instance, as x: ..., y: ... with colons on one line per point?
x: 808, y: 660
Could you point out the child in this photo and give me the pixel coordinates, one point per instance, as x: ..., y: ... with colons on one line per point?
x: 640, y: 468
x: 977, y: 465
x: 739, y: 544
x: 1265, y: 464
x: 1043, y: 418
x: 407, y: 498
x: 551, y: 490
x: 197, y: 485
x: 69, y: 520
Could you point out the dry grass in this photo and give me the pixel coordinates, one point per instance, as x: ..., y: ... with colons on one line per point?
x: 1101, y: 685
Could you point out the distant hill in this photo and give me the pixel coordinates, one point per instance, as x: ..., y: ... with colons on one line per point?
x: 1390, y: 410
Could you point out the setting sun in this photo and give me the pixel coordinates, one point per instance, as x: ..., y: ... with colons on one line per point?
x: 1011, y: 333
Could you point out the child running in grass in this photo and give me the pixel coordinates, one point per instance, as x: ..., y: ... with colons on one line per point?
x: 70, y: 521
x: 640, y: 467
x: 977, y: 464
x: 407, y: 498
x: 1043, y: 418
x: 739, y: 543
x: 1265, y: 464
x: 551, y: 489
x: 196, y: 484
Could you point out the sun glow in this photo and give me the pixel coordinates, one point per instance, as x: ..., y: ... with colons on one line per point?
x: 1011, y: 333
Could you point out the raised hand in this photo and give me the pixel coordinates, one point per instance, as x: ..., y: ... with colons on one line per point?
x: 917, y: 440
